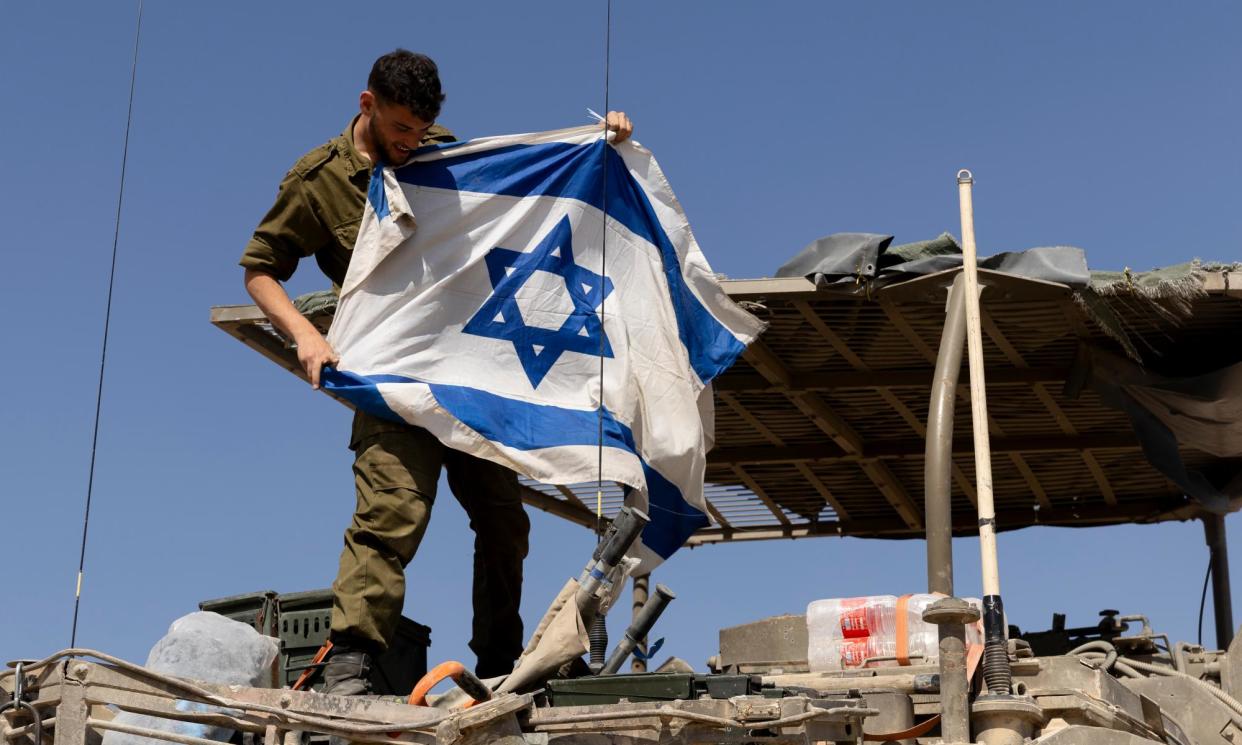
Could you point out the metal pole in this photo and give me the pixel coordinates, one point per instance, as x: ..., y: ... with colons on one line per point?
x: 1222, y: 602
x: 938, y: 463
x: 644, y: 621
x: 639, y: 598
x: 950, y: 616
x: 995, y: 657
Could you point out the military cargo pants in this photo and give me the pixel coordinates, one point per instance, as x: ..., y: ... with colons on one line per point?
x: 396, y: 469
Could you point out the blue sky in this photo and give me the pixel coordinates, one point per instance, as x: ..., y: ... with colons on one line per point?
x: 1110, y: 126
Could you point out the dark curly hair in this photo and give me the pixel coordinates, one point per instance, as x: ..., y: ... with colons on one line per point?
x: 408, y: 79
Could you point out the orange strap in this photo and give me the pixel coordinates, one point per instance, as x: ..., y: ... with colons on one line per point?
x: 974, y: 653
x: 903, y: 632
x: 310, y: 670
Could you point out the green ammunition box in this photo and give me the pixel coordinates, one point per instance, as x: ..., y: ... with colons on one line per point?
x: 301, y: 621
x: 305, y: 619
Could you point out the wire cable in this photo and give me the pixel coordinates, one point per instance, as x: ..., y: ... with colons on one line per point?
x: 1203, y: 600
x: 103, y: 356
x: 603, y: 265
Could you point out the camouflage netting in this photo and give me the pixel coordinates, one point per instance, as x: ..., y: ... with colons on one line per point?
x: 868, y: 261
x: 1134, y: 309
x: 315, y: 302
x: 1168, y: 292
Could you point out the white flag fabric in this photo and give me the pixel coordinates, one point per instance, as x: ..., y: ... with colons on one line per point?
x: 485, y: 286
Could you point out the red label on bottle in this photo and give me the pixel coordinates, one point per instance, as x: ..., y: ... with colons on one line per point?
x: 854, y: 619
x: 854, y: 653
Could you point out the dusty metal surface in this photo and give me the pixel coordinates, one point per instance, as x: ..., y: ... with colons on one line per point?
x: 779, y: 642
x: 1066, y: 700
x: 1203, y: 719
x: 71, y: 696
x: 739, y: 719
x: 77, y: 691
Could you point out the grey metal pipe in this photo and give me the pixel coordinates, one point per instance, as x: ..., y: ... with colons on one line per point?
x: 950, y: 615
x: 954, y: 686
x: 825, y: 683
x: 642, y: 582
x: 938, y: 460
x: 638, y: 630
x: 1222, y: 601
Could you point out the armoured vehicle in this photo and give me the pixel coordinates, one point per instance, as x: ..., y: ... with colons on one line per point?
x: 1109, y: 399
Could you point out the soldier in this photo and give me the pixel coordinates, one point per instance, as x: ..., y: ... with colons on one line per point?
x: 396, y: 466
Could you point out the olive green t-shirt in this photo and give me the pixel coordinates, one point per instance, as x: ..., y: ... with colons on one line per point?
x: 318, y: 210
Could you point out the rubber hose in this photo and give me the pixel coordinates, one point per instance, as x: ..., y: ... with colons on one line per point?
x: 1110, y: 652
x: 996, y: 672
x: 1118, y: 667
x: 1133, y: 666
x: 598, y: 636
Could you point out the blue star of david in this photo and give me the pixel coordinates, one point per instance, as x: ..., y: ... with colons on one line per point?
x: 538, y: 349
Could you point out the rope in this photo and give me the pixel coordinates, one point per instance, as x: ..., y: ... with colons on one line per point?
x: 103, y: 357
x: 603, y: 265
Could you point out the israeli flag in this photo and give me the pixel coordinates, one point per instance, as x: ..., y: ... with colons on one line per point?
x: 489, y: 279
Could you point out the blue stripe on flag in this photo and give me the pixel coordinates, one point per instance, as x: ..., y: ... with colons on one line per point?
x: 522, y: 425
x: 565, y: 170
x: 376, y: 194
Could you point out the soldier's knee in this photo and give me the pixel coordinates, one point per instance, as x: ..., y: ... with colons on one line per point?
x: 394, y: 501
x: 503, y: 530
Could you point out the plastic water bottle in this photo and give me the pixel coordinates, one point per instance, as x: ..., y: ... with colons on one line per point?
x: 868, y: 652
x: 840, y: 631
x: 852, y: 618
x: 876, y: 651
x: 855, y: 632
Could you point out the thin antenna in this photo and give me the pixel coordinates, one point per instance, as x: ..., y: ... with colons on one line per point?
x: 103, y: 357
x: 603, y: 261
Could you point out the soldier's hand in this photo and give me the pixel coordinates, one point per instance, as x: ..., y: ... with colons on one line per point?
x: 618, y: 122
x: 314, y: 352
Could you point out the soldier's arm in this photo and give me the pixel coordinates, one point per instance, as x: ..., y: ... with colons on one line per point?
x: 313, y: 350
x: 290, y: 231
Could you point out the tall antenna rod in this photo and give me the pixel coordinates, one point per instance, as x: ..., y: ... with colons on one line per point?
x: 603, y: 264
x: 103, y: 356
x: 995, y: 653
x: 598, y: 631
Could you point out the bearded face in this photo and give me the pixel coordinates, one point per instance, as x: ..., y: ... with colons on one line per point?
x: 394, y: 131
